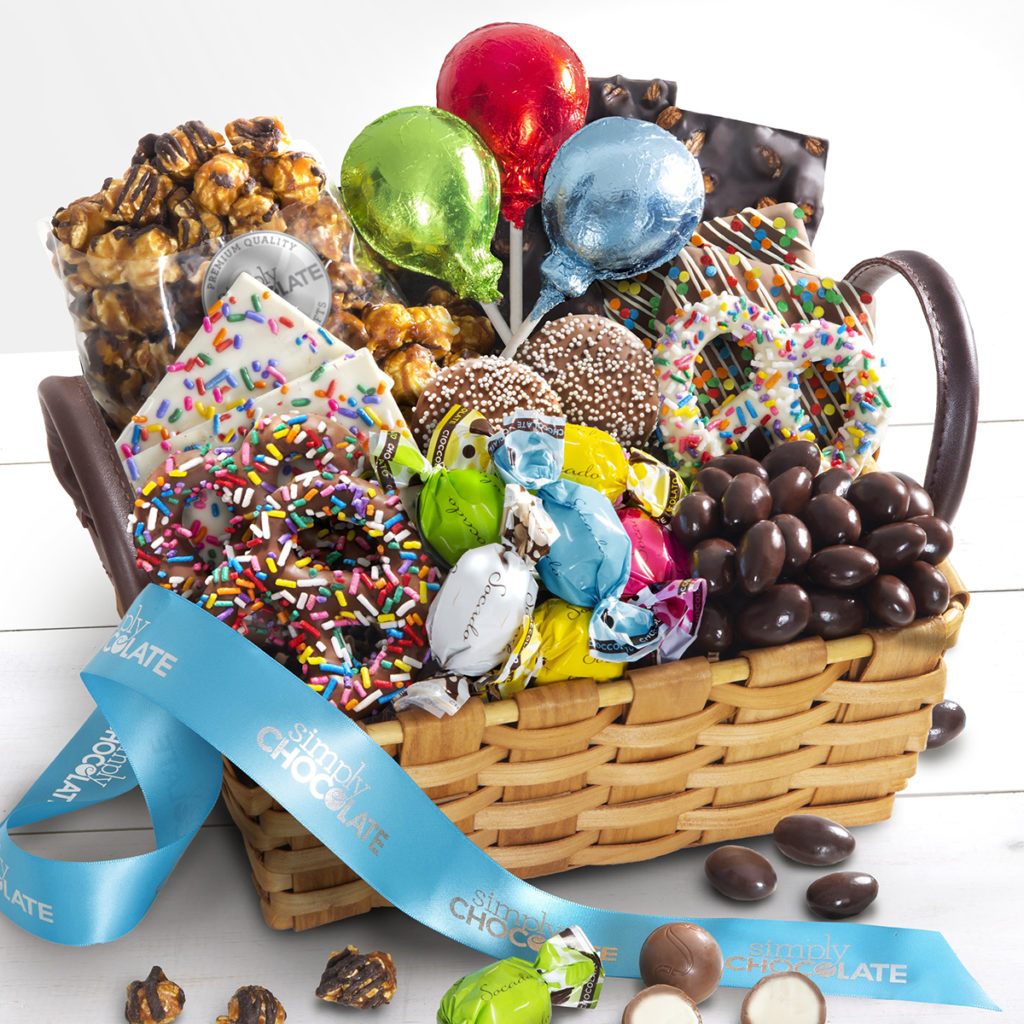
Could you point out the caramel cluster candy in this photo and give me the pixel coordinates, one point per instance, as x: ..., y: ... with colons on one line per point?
x: 133, y: 254
x: 357, y: 980
x: 153, y: 1001
x: 253, y: 1005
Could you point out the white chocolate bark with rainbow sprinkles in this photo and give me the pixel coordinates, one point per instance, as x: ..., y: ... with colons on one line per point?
x: 252, y: 344
x: 776, y: 355
x: 351, y: 390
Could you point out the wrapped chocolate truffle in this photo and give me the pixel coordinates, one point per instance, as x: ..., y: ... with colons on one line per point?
x: 485, y: 597
x: 481, y: 627
x: 564, y: 632
x: 567, y: 972
x: 457, y: 509
x: 589, y: 562
x: 592, y: 457
x: 657, y: 556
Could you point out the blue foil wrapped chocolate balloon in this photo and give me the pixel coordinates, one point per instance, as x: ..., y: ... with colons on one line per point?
x: 620, y: 198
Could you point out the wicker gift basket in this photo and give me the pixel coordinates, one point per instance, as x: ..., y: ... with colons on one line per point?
x: 676, y: 755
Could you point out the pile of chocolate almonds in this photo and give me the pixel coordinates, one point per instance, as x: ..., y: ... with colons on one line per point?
x: 788, y: 549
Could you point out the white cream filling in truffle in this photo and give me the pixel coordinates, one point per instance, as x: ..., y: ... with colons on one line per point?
x: 785, y: 999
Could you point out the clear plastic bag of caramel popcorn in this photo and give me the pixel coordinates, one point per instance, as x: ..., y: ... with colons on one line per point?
x: 133, y: 256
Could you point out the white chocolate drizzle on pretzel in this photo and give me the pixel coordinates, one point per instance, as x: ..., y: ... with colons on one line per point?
x: 759, y: 384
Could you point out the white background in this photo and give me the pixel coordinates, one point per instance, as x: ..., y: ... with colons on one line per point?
x: 921, y: 103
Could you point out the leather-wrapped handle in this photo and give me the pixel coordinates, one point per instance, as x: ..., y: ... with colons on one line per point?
x: 956, y: 368
x: 86, y: 463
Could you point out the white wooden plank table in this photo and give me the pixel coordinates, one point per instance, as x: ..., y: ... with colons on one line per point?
x: 949, y: 859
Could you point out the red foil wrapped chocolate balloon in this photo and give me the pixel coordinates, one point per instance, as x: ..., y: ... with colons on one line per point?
x: 525, y: 92
x: 657, y: 556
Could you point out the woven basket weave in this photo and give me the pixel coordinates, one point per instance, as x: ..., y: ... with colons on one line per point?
x: 580, y: 773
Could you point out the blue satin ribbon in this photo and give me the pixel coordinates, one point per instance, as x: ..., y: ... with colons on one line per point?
x: 175, y: 689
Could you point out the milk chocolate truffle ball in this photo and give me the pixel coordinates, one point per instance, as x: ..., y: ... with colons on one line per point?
x: 493, y: 386
x: 602, y: 373
x: 683, y: 955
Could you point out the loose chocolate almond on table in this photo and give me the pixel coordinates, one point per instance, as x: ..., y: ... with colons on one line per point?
x: 842, y: 894
x: 740, y: 873
x: 812, y: 839
x: 948, y: 721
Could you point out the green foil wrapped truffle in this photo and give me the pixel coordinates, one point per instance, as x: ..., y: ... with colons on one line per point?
x: 567, y: 972
x: 460, y: 509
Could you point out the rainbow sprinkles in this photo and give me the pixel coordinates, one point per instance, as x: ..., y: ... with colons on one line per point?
x: 776, y: 357
x: 255, y: 355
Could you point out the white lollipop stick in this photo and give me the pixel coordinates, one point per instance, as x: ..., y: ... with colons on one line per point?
x: 494, y: 315
x: 522, y: 333
x: 515, y: 276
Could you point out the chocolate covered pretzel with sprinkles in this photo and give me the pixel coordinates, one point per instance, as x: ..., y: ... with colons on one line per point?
x: 284, y: 540
x: 335, y: 577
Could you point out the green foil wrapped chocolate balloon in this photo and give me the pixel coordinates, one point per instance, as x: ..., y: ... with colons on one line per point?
x: 424, y: 191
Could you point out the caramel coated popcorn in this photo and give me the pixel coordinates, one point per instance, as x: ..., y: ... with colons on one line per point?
x: 253, y: 1005
x: 256, y: 136
x: 180, y: 152
x: 295, y: 177
x: 153, y: 1001
x: 138, y: 198
x: 220, y: 181
x: 412, y: 343
x: 360, y: 981
x: 412, y: 369
x: 144, y: 239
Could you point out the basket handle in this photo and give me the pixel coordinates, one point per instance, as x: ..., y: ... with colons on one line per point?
x: 86, y: 463
x: 956, y: 368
